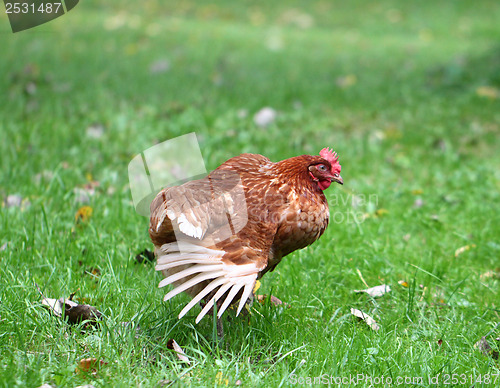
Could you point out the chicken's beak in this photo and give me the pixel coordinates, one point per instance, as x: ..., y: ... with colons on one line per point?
x: 338, y: 179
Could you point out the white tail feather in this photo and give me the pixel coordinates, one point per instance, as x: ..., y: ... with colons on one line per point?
x: 221, y: 291
x: 190, y: 283
x: 234, y: 290
x: 190, y: 271
x: 186, y: 247
x: 208, y: 264
x: 178, y: 263
x: 211, y: 286
x: 246, y: 294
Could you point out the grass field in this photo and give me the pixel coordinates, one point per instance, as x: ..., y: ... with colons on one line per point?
x: 408, y: 94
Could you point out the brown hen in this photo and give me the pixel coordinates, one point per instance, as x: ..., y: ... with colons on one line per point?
x: 214, y: 237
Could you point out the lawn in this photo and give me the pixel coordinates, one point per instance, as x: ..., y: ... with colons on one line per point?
x: 407, y: 93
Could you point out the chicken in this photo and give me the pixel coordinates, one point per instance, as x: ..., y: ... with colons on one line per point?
x: 214, y: 237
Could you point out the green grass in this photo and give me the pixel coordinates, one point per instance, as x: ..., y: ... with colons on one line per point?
x: 410, y: 127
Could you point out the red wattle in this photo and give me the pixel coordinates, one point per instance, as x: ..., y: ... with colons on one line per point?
x: 324, y: 184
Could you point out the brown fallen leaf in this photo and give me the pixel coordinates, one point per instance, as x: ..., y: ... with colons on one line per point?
x: 488, y: 91
x: 92, y: 271
x: 381, y: 212
x: 403, y: 283
x: 74, y: 312
x: 486, y: 348
x: 89, y: 365
x: 492, y: 274
x: 171, y: 344
x: 366, y: 318
x: 275, y: 301
x: 83, y: 214
x: 82, y: 312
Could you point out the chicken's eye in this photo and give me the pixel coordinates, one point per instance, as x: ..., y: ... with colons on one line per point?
x: 322, y: 167
x: 336, y: 175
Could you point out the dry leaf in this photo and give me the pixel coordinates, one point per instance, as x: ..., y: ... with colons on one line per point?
x: 92, y: 271
x: 83, y: 214
x: 15, y: 200
x: 362, y: 278
x: 264, y: 117
x: 366, y: 318
x: 392, y: 132
x: 45, y: 175
x: 66, y: 308
x: 461, y: 250
x: 418, y: 203
x: 219, y: 378
x: 159, y: 66
x: 295, y: 17
x: 417, y: 192
x: 381, y: 212
x: 89, y: 365
x: 488, y: 91
x: 275, y: 301
x: 76, y: 313
x: 82, y: 312
x: 346, y: 81
x: 242, y: 113
x: 171, y: 344
x: 485, y: 348
x: 95, y: 131
x: 54, y: 305
x: 256, y: 287
x: 492, y: 274
x: 404, y: 283
x: 376, y: 291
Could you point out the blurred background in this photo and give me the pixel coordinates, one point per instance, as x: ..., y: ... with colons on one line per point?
x: 407, y: 93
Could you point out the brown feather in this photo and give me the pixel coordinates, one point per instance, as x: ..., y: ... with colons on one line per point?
x: 273, y: 209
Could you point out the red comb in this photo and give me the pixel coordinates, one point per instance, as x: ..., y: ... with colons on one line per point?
x: 331, y: 156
